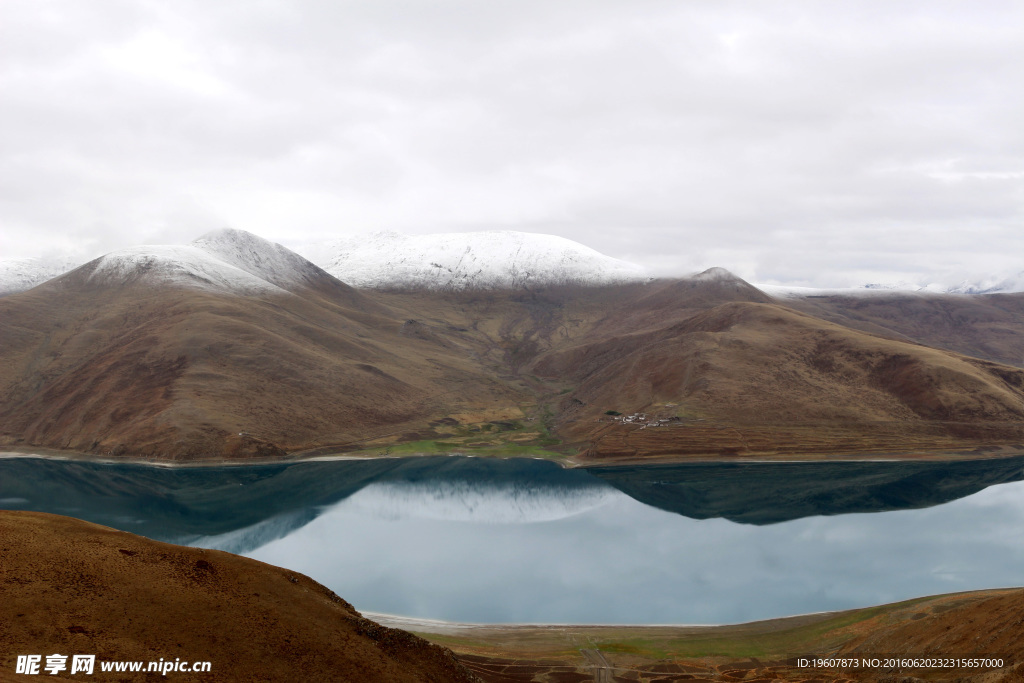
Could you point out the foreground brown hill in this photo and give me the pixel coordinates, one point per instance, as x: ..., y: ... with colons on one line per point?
x: 117, y: 361
x: 71, y: 587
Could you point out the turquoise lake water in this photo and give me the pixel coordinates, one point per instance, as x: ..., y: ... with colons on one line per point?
x: 487, y: 540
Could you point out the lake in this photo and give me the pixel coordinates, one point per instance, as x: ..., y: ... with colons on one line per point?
x: 522, y: 540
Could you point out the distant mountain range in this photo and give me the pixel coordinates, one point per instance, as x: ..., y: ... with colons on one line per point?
x: 474, y: 260
x: 1005, y: 283
x: 498, y: 259
x: 236, y: 347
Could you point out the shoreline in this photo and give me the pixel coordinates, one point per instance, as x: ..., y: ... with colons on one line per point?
x: 423, y: 625
x: 981, y: 452
x: 442, y: 627
x: 763, y: 643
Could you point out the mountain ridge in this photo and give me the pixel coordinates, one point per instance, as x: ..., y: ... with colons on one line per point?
x: 497, y: 259
x: 235, y: 347
x: 488, y: 259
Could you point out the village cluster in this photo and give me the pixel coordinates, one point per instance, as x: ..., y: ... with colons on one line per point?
x: 642, y: 420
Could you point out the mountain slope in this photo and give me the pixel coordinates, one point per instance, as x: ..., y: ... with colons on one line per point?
x: 472, y: 260
x: 748, y: 377
x: 266, y: 260
x: 74, y: 587
x: 987, y: 326
x: 184, y: 356
x: 235, y: 347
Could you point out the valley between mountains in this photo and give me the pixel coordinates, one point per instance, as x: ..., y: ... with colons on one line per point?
x: 235, y: 348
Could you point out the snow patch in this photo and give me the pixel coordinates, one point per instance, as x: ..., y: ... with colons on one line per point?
x: 471, y: 260
x: 18, y: 275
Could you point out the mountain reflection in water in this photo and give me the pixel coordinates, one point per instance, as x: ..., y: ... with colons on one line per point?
x: 476, y: 539
x: 768, y: 493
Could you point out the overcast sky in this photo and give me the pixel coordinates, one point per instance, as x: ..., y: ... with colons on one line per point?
x: 825, y: 143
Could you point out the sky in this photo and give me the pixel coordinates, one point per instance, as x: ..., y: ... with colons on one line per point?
x: 805, y: 143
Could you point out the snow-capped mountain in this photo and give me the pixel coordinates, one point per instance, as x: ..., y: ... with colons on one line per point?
x: 796, y: 292
x: 239, y: 261
x: 996, y: 284
x: 222, y: 260
x: 17, y: 275
x: 472, y: 260
x: 260, y: 258
x: 1003, y: 283
x: 175, y: 264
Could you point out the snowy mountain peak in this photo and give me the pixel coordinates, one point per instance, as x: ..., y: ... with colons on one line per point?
x: 715, y: 274
x: 471, y: 260
x: 175, y: 265
x: 261, y: 258
x: 224, y: 260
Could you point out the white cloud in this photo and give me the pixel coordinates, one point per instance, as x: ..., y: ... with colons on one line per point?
x: 794, y: 141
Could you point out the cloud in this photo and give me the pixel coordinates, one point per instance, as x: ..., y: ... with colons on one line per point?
x: 794, y: 141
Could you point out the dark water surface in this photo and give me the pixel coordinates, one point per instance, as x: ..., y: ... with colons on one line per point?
x: 487, y: 540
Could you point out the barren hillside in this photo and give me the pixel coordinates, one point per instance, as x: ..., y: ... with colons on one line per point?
x: 235, y: 348
x: 71, y: 587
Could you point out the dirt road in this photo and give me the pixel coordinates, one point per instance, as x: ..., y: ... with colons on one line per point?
x: 602, y: 668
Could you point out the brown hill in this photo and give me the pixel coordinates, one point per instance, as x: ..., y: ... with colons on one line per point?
x: 986, y: 622
x: 71, y: 587
x: 185, y: 373
x: 989, y: 326
x: 126, y: 365
x: 753, y: 377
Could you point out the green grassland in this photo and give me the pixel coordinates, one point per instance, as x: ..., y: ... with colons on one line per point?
x: 520, y: 438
